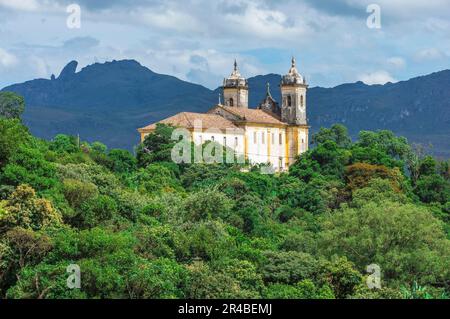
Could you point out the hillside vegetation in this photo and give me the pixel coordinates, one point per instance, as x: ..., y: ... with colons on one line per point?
x: 143, y: 227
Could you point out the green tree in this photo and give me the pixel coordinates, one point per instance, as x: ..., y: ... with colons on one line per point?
x: 12, y: 136
x: 122, y: 161
x: 156, y: 147
x: 428, y: 166
x: 20, y: 248
x: 405, y: 240
x: 27, y: 245
x: 326, y: 159
x: 159, y: 279
x: 155, y: 178
x: 206, y: 240
x: 11, y: 105
x: 360, y: 174
x: 386, y: 141
x: 281, y: 291
x: 433, y: 188
x: 99, y: 147
x: 308, y: 290
x: 96, y: 211
x: 340, y: 275
x: 338, y: 134
x: 77, y: 192
x: 288, y: 267
x: 64, y: 143
x: 377, y: 190
x: 205, y: 283
x: 29, y: 166
x: 206, y: 205
x: 24, y: 209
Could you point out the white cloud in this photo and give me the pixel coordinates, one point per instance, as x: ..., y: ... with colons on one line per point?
x: 205, y: 67
x: 198, y: 40
x: 260, y: 21
x: 170, y: 20
x: 396, y: 62
x: 429, y: 54
x: 405, y: 9
x: 40, y: 66
x: 377, y: 77
x: 7, y: 59
x: 21, y: 5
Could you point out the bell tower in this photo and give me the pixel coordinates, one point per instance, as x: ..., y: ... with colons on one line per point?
x: 235, y: 89
x: 293, y: 93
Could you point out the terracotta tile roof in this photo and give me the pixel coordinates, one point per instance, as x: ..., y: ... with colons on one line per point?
x: 253, y: 115
x: 187, y: 120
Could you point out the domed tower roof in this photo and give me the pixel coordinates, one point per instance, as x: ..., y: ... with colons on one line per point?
x: 293, y: 77
x: 235, y: 80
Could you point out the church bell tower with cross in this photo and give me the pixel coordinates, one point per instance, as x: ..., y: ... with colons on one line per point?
x: 235, y: 89
x: 293, y: 93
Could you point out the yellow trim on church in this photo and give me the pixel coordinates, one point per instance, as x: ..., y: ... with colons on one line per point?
x: 245, y: 146
x: 287, y: 148
x: 268, y: 118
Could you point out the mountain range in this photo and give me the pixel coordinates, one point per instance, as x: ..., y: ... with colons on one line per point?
x: 109, y: 101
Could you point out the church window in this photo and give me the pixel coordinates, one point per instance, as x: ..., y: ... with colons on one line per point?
x: 280, y: 162
x: 212, y: 138
x: 289, y: 100
x: 301, y: 100
x: 273, y: 138
x: 201, y: 139
x: 263, y: 138
x: 255, y: 138
x: 231, y: 102
x: 280, y: 138
x: 224, y: 141
x: 236, y: 141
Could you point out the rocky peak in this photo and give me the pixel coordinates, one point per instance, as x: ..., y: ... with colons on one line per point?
x: 68, y: 71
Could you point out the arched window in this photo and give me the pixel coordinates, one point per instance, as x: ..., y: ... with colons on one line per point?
x: 231, y: 103
x: 301, y: 100
x: 289, y: 100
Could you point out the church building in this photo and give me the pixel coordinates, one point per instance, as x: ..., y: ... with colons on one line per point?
x: 268, y: 134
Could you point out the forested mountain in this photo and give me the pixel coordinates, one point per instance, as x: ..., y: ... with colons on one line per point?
x: 109, y: 101
x: 144, y: 227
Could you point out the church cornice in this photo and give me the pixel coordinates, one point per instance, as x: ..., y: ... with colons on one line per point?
x: 294, y: 85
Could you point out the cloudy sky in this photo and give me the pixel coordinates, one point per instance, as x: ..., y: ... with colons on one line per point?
x: 197, y: 40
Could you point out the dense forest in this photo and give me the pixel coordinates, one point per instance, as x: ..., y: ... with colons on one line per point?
x: 141, y: 226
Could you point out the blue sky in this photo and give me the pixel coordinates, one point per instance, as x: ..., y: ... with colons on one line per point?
x: 197, y: 40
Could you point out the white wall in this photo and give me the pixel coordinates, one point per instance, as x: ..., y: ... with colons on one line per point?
x: 201, y: 137
x: 258, y: 151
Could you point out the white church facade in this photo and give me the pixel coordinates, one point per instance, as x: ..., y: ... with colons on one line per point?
x: 269, y: 134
